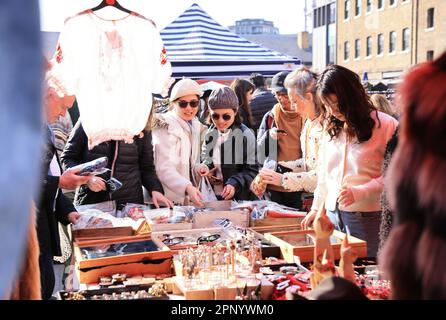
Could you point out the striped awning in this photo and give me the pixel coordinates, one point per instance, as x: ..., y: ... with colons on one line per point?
x: 199, y: 47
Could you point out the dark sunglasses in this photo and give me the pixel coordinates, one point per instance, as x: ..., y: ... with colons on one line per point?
x: 193, y: 103
x: 225, y: 116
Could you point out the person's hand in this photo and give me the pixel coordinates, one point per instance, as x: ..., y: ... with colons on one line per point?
x: 96, y: 184
x: 73, y: 217
x: 228, y: 192
x: 158, y: 197
x: 271, y: 177
x: 195, y: 195
x: 345, y: 197
x: 203, y: 170
x: 70, y: 180
x: 322, y: 225
x: 308, y: 220
x: 275, y: 133
x: 212, y: 178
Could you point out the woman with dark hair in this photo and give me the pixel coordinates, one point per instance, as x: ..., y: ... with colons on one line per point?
x: 244, y: 90
x: 350, y: 156
x: 414, y: 255
x: 229, y: 149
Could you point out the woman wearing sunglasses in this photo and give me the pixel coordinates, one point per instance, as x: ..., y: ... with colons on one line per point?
x: 177, y: 143
x: 229, y: 149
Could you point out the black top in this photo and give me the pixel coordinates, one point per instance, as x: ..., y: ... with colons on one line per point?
x: 134, y: 167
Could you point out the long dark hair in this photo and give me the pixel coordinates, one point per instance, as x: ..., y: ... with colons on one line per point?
x: 241, y: 87
x: 353, y: 102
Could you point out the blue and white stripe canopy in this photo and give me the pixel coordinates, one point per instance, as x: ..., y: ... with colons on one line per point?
x: 200, y: 48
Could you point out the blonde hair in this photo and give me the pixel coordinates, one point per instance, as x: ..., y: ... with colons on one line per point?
x: 382, y: 104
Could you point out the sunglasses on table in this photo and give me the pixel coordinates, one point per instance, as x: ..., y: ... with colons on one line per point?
x: 216, y: 116
x: 192, y: 103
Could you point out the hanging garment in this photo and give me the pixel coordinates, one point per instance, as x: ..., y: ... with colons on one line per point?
x: 113, y: 67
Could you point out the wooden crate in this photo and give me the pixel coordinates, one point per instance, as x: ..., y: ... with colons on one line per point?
x: 268, y: 229
x: 268, y: 221
x: 206, y: 219
x: 100, y: 233
x: 154, y: 262
x: 301, y: 244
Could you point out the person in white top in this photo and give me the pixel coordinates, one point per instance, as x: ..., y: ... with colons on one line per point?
x: 301, y: 86
x: 177, y: 143
x: 351, y: 154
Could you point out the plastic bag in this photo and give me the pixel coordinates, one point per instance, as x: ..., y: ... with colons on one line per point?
x: 258, y: 187
x: 206, y: 190
x: 92, y: 219
x: 92, y: 168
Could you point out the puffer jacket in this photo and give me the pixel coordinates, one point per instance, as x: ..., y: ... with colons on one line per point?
x: 262, y: 102
x: 242, y: 167
x: 132, y: 164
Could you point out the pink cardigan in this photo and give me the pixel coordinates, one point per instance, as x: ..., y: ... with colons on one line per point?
x: 357, y: 165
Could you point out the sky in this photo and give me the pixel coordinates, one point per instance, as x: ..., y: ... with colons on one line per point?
x: 287, y: 15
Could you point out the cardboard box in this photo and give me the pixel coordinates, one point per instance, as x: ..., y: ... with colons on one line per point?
x: 301, y: 244
x: 151, y: 262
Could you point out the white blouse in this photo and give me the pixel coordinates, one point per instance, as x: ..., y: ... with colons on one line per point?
x: 113, y: 67
x: 355, y: 165
x: 304, y: 175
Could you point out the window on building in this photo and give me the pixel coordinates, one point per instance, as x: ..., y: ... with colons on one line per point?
x: 319, y: 18
x: 324, y: 15
x: 314, y: 18
x: 430, y: 17
x: 380, y: 4
x: 346, y: 50
x: 369, y: 5
x: 392, y: 41
x: 369, y: 46
x: 358, y: 7
x: 346, y: 9
x: 392, y: 2
x: 380, y: 49
x: 430, y: 55
x: 331, y: 13
x: 406, y: 39
x: 357, y: 48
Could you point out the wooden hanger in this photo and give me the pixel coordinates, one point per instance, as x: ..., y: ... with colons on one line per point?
x: 112, y: 3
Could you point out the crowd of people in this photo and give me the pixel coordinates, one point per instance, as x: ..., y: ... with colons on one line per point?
x: 310, y: 135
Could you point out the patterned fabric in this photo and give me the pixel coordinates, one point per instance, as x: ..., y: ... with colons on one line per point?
x: 113, y: 67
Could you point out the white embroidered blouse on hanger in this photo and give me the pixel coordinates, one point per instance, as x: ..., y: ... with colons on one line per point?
x: 113, y: 67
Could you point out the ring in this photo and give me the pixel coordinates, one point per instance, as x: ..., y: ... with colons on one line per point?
x: 93, y: 180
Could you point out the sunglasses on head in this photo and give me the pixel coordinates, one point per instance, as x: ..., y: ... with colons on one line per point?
x: 192, y: 103
x: 216, y: 116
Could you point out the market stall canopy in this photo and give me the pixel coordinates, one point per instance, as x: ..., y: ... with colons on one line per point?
x: 200, y: 48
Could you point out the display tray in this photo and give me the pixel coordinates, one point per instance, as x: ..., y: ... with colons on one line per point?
x: 268, y: 221
x: 183, y: 239
x: 91, y: 264
x: 180, y: 240
x: 301, y: 244
x: 268, y: 229
x: 97, y: 253
x: 206, y: 219
x: 114, y: 293
x: 101, y: 233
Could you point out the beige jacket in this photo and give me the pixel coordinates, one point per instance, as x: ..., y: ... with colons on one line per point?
x: 177, y: 146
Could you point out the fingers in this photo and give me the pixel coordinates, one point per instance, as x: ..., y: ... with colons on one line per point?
x: 155, y: 202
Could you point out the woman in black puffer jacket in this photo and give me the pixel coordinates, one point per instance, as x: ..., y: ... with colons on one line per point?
x: 132, y: 164
x: 229, y: 149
